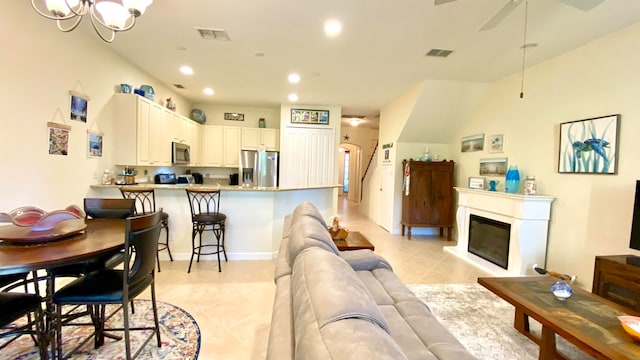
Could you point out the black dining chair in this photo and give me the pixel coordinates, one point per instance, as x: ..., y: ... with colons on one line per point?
x: 206, y: 216
x: 146, y: 203
x: 16, y: 305
x: 111, y: 286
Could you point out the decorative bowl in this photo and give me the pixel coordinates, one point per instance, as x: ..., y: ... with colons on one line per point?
x: 148, y: 92
x: 631, y: 325
x: 38, y: 219
x: 561, y: 290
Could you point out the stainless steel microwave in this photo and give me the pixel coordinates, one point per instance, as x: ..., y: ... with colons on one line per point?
x: 180, y: 154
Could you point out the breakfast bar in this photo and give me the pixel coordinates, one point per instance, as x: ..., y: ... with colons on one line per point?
x: 255, y: 215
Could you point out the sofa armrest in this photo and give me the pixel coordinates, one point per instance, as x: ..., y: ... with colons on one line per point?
x: 281, y: 344
x: 364, y: 260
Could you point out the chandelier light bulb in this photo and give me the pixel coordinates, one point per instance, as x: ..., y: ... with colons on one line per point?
x: 136, y: 7
x: 114, y: 15
x: 294, y: 78
x: 59, y: 8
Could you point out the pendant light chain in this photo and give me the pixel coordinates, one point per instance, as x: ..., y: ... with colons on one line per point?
x: 524, y: 47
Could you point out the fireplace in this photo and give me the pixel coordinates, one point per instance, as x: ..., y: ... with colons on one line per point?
x: 526, y: 218
x: 489, y: 239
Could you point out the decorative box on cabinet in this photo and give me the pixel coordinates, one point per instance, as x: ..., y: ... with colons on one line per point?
x: 617, y: 278
x: 429, y: 199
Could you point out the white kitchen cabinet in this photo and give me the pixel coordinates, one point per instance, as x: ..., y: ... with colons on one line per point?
x: 231, y: 145
x: 221, y: 146
x: 307, y: 157
x: 252, y: 138
x: 140, y: 132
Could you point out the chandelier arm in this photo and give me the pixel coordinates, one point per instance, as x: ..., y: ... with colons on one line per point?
x: 85, y: 5
x: 95, y: 27
x: 96, y: 18
x: 72, y: 27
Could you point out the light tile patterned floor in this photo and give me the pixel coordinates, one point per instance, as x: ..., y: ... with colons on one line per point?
x: 233, y: 308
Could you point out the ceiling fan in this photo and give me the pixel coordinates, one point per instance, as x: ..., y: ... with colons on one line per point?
x: 584, y: 5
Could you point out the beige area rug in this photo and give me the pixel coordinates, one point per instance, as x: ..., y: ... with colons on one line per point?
x: 483, y: 322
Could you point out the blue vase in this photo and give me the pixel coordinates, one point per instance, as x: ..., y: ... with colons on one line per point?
x: 513, y: 180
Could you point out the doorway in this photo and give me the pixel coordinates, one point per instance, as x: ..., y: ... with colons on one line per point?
x: 350, y: 171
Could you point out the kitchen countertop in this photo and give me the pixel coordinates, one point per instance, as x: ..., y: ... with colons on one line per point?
x: 214, y: 187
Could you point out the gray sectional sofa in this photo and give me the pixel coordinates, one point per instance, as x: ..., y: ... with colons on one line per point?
x: 346, y: 305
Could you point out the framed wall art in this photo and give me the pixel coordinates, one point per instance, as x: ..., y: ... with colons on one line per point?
x: 493, y: 167
x: 306, y: 116
x: 589, y: 146
x: 472, y: 143
x: 79, y: 106
x: 94, y: 141
x: 234, y: 116
x: 496, y: 143
x: 58, y: 135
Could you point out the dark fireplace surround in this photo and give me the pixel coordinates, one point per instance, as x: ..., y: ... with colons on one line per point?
x: 489, y: 239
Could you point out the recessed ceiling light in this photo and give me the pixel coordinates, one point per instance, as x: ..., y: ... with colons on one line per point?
x: 293, y: 97
x: 208, y: 91
x: 187, y: 70
x: 294, y: 78
x: 332, y: 28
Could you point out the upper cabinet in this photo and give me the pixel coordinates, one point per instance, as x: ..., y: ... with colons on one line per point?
x: 221, y: 146
x: 141, y: 132
x: 252, y: 138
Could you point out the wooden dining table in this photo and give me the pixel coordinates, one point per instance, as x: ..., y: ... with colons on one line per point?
x: 23, y: 251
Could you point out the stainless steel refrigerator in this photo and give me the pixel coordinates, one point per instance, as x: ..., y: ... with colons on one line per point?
x: 259, y: 168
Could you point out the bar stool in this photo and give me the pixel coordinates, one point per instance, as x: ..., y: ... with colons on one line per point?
x: 146, y: 204
x: 206, y: 216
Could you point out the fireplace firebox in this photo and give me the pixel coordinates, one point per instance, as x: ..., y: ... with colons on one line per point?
x: 489, y: 239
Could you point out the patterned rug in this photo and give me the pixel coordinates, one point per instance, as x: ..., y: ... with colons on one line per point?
x: 483, y: 322
x: 179, y: 331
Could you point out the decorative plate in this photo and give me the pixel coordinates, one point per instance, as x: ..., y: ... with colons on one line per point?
x: 23, y: 235
x: 37, y: 219
x: 198, y: 115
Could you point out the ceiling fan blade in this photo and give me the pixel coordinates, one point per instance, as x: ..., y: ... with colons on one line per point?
x: 440, y: 2
x: 584, y: 5
x: 501, y: 14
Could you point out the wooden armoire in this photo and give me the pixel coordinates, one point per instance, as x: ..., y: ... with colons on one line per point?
x: 427, y: 201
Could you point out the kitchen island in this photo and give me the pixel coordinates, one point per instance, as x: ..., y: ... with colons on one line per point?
x: 255, y: 215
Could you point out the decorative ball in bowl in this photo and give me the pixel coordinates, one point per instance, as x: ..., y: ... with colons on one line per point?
x: 561, y: 290
x: 631, y: 325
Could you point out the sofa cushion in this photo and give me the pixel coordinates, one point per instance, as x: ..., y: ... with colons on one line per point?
x: 308, y: 232
x: 306, y: 208
x: 329, y: 300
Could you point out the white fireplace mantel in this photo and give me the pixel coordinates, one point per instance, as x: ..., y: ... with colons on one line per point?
x: 528, y: 216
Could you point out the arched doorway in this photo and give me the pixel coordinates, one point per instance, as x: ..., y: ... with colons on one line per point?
x: 350, y: 171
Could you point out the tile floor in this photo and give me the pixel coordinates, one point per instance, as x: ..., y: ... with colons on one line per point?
x: 233, y: 308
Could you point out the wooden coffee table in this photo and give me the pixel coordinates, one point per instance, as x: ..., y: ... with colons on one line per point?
x: 586, y: 320
x: 354, y: 241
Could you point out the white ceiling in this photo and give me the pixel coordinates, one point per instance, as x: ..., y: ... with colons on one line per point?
x: 378, y: 56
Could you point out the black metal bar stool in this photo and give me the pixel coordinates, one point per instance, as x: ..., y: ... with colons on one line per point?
x: 206, y: 216
x: 146, y: 204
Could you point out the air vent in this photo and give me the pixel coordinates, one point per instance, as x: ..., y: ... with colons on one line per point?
x: 439, y: 53
x: 179, y: 86
x: 213, y: 34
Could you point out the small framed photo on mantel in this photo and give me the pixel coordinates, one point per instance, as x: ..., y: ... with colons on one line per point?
x: 476, y: 182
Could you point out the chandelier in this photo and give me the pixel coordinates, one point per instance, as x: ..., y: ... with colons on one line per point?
x: 106, y: 16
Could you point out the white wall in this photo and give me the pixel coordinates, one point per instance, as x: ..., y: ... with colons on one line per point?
x: 38, y: 66
x: 592, y: 213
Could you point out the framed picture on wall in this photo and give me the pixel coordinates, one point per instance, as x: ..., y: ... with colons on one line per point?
x: 472, y: 143
x: 79, y: 106
x: 496, y: 143
x: 306, y: 116
x: 589, y: 146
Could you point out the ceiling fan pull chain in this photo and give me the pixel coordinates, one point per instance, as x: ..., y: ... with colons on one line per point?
x: 524, y: 47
